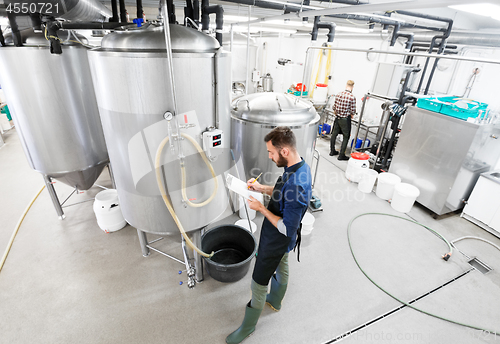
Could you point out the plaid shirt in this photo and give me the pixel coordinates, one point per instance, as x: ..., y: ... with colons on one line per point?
x: 345, y: 104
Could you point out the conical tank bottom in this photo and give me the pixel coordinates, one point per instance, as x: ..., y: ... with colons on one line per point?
x: 82, y: 180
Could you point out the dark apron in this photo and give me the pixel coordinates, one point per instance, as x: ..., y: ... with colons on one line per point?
x: 272, y: 244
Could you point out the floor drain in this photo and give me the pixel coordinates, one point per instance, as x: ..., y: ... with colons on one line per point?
x: 479, y: 265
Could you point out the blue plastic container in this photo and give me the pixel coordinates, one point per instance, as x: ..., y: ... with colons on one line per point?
x: 327, y: 127
x: 359, y: 142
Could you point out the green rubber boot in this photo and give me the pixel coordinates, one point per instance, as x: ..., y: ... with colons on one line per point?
x: 247, y: 327
x: 274, y: 298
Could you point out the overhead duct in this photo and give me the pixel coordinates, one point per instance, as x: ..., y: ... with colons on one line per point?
x: 464, y: 38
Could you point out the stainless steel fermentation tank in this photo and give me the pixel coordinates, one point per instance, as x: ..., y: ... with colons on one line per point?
x: 131, y: 77
x: 443, y: 157
x: 255, y: 115
x: 54, y: 108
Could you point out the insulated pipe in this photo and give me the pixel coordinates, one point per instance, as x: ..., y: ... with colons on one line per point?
x: 443, y: 38
x: 114, y: 9
x: 140, y: 12
x: 320, y: 25
x: 16, y: 35
x: 90, y: 26
x: 219, y: 19
x: 196, y: 11
x: 123, y: 11
x: 188, y: 10
x: 36, y: 21
x: 2, y: 38
x: 51, y: 29
x: 205, y: 18
x: 396, y: 34
x: 306, y: 3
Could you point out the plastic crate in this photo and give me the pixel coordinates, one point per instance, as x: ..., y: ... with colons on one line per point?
x: 473, y: 108
x: 431, y: 104
x: 446, y: 106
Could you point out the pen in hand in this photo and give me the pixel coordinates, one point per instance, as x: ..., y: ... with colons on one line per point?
x: 255, y: 179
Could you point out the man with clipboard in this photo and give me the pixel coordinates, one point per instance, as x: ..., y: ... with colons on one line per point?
x: 280, y: 231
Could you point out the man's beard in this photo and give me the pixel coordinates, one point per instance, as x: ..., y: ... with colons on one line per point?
x: 282, y: 162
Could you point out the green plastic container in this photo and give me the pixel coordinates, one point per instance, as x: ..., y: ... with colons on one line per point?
x: 446, y: 106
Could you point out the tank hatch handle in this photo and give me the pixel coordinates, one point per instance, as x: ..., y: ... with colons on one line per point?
x: 279, y: 105
x: 237, y: 102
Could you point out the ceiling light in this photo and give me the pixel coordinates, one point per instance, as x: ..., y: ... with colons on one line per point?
x: 482, y: 9
x: 351, y: 29
x: 229, y: 17
x: 274, y: 29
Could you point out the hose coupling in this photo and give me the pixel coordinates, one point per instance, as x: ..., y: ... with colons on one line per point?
x: 447, y: 256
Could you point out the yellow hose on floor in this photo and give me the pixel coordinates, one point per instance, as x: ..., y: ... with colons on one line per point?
x: 164, y: 193
x: 11, y: 241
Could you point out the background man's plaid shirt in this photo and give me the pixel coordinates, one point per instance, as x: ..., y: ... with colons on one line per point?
x: 345, y: 104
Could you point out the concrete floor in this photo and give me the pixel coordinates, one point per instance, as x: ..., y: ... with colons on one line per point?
x: 69, y: 282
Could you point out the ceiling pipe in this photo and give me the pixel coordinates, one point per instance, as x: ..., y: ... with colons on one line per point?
x: 188, y: 11
x: 114, y: 10
x: 36, y: 21
x: 320, y: 25
x: 123, y: 12
x: 16, y: 35
x: 442, y: 46
x: 396, y: 34
x: 140, y: 11
x: 219, y: 19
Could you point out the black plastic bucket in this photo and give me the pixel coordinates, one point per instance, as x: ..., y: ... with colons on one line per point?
x: 233, y: 247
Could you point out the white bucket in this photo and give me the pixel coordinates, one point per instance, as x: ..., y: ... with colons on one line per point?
x: 367, y: 181
x: 320, y: 93
x: 107, y: 211
x: 244, y: 223
x: 404, y: 197
x: 385, y: 185
x: 355, y: 169
x: 307, y: 223
x: 242, y: 212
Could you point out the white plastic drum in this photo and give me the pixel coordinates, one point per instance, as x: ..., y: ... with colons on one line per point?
x: 107, y: 211
x: 307, y: 223
x: 404, y: 197
x: 244, y: 223
x: 385, y: 185
x: 367, y: 181
x: 243, y: 212
x: 356, y: 165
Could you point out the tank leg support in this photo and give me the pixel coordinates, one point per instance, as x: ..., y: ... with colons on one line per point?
x: 143, y: 241
x: 198, y: 259
x: 53, y: 196
x: 111, y: 176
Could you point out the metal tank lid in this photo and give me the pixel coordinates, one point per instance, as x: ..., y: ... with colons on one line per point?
x: 273, y: 108
x: 152, y: 38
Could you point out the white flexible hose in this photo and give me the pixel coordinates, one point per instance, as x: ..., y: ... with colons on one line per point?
x: 164, y: 193
x: 13, y: 236
x: 209, y: 165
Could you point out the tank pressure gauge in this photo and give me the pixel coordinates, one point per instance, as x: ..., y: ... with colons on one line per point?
x: 212, y: 143
x: 168, y: 116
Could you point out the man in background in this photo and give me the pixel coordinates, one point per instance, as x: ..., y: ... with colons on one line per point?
x: 344, y: 109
